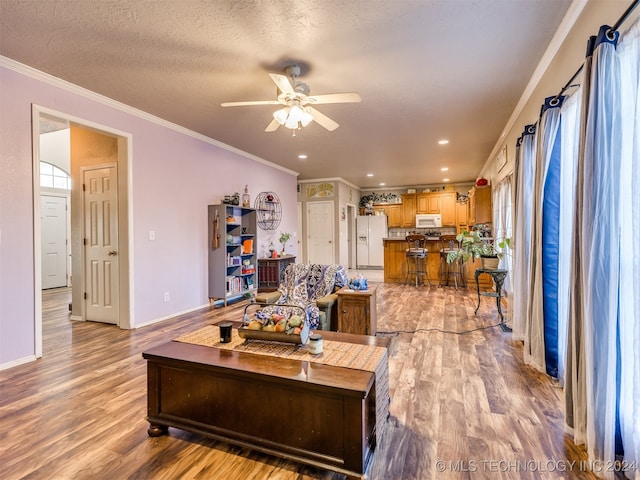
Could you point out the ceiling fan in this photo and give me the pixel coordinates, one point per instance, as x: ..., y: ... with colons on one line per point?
x: 298, y: 110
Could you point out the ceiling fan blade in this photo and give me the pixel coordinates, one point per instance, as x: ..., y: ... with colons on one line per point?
x: 282, y: 82
x: 351, y: 97
x: 273, y: 126
x: 257, y: 102
x: 322, y: 119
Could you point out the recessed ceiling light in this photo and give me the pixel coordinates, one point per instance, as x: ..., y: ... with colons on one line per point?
x: 444, y: 169
x: 443, y: 142
x: 302, y: 156
x: 369, y: 174
x: 445, y: 179
x: 382, y: 184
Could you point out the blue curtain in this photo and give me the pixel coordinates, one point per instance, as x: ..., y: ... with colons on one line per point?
x: 551, y: 236
x: 541, y: 340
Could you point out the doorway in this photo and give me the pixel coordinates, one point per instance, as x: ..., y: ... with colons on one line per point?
x: 91, y: 147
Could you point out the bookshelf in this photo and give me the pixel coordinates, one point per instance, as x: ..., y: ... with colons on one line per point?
x: 233, y: 265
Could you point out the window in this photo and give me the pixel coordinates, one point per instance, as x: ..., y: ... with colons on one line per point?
x: 54, y: 177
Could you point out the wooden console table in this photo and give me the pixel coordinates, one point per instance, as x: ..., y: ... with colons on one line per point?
x: 357, y: 311
x: 321, y: 415
x: 270, y: 271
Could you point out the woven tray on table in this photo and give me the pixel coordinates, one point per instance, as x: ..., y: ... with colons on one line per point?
x: 250, y: 334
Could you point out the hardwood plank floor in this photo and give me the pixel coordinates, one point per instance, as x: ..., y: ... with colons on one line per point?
x: 463, y: 399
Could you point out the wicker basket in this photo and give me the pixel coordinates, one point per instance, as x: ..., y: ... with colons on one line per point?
x: 248, y: 334
x: 490, y: 263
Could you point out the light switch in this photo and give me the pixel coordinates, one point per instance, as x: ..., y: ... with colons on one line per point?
x: 152, y: 235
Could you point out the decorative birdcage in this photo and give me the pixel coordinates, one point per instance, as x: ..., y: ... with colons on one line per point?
x: 268, y: 210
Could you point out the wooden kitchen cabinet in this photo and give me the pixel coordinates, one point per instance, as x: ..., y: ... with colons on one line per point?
x: 408, y: 210
x: 471, y: 207
x: 357, y: 311
x: 428, y: 202
x: 462, y: 216
x: 393, y: 213
x: 480, y: 205
x: 448, y: 209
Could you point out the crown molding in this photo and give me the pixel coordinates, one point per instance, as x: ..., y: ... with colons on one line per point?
x: 31, y: 72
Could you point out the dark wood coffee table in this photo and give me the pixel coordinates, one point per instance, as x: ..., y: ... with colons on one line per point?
x: 316, y: 414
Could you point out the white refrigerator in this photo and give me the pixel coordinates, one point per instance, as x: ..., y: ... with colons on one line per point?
x: 370, y: 230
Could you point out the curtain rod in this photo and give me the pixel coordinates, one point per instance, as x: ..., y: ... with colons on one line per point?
x: 569, y: 83
x: 625, y: 15
x: 615, y: 27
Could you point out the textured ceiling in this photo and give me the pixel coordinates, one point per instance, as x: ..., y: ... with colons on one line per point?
x: 425, y: 69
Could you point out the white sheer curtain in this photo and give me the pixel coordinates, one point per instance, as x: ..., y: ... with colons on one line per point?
x: 521, y: 273
x: 601, y: 250
x: 534, y: 343
x: 569, y: 132
x: 502, y: 225
x: 502, y: 221
x: 629, y: 54
x: 502, y: 229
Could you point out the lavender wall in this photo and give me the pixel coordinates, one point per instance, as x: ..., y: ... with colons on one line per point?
x: 174, y: 177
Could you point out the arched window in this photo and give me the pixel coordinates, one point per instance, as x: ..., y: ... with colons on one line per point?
x: 54, y: 177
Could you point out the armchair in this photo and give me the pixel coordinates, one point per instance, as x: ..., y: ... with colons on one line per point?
x: 312, y: 287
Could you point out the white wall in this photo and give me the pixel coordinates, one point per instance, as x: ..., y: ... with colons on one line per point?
x: 54, y: 149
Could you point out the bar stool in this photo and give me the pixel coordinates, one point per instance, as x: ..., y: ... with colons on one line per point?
x: 416, y: 258
x: 449, y: 243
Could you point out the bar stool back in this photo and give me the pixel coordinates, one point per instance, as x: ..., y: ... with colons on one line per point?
x: 416, y: 258
x: 449, y: 243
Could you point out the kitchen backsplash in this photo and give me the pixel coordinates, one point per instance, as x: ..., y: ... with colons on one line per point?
x: 429, y: 232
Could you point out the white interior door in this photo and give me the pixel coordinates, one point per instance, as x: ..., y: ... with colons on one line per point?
x: 320, y: 232
x: 101, y: 244
x: 53, y: 211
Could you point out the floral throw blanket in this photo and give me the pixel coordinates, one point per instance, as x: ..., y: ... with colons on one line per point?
x: 302, y: 284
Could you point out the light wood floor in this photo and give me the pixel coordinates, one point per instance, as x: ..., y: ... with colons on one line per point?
x: 464, y: 399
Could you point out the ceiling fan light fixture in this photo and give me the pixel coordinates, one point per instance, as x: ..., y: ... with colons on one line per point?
x: 290, y: 123
x: 281, y: 115
x: 295, y: 113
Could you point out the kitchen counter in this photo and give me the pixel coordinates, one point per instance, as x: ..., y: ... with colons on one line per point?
x: 402, y: 239
x: 395, y: 265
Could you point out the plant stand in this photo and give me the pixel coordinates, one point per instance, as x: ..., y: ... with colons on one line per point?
x: 498, y: 275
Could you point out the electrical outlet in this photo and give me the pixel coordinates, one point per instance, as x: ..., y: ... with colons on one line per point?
x: 152, y: 235
x: 166, y: 296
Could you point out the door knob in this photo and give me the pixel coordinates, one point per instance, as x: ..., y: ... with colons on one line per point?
x: 112, y: 253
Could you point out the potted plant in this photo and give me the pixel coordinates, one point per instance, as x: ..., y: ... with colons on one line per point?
x: 472, y: 246
x: 284, y: 238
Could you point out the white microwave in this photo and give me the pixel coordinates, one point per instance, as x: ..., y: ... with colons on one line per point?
x: 428, y: 220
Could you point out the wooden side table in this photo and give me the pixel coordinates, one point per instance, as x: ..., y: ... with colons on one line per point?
x: 357, y: 311
x: 270, y: 271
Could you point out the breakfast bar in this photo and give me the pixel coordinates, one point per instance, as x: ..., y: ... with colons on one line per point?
x: 395, y: 264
